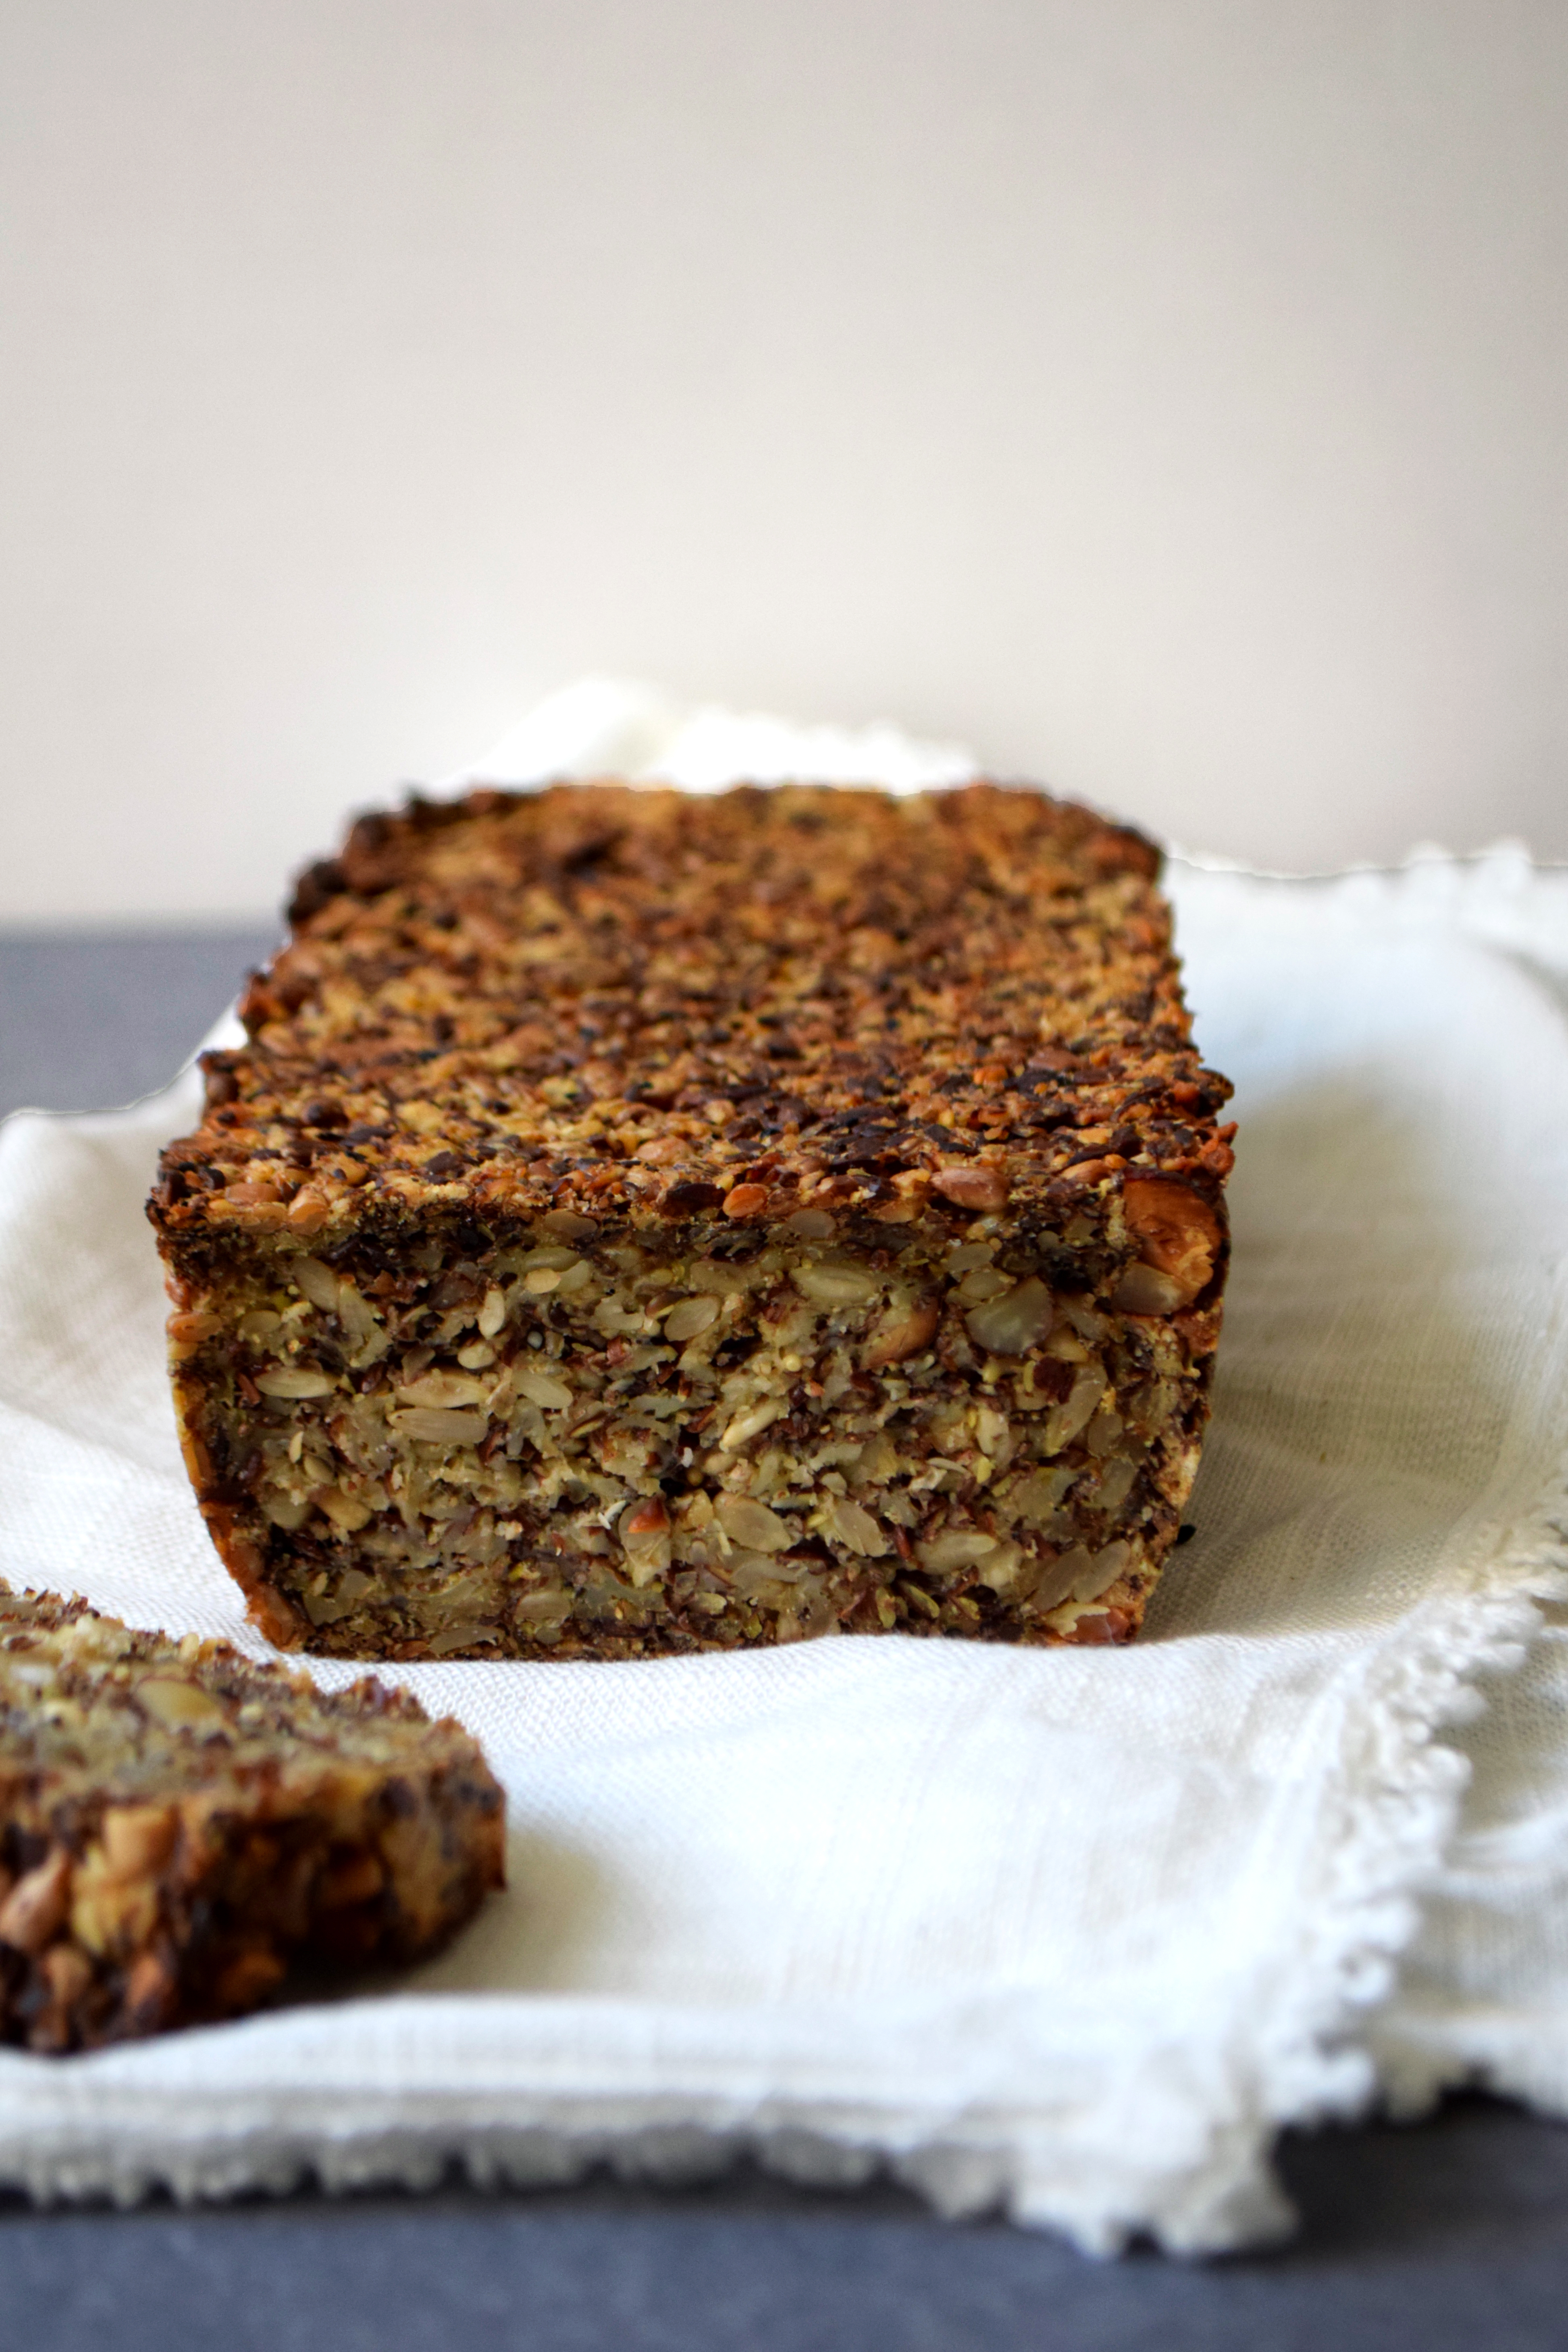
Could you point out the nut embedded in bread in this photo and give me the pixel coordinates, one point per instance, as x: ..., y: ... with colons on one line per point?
x: 181, y: 1829
x: 643, y: 1224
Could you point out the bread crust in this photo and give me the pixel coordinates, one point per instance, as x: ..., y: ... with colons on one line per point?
x: 655, y: 1036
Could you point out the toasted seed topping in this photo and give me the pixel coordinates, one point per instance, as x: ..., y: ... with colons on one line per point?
x: 821, y: 1164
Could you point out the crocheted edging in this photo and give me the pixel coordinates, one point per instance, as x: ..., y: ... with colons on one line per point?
x: 1400, y: 1787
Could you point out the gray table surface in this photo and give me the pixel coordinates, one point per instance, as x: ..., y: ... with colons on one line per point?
x: 1450, y: 2234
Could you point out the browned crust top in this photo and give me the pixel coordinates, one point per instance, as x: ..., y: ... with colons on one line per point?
x: 617, y: 1002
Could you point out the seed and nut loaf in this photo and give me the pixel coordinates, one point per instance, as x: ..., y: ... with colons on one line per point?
x: 643, y: 1224
x: 179, y: 1829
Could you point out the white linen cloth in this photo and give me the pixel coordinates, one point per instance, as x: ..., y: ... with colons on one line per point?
x: 1075, y: 1933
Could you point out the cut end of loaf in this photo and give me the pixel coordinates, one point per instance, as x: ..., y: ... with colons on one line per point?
x: 643, y: 1226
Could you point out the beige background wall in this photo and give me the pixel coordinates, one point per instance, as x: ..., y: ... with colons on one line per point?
x: 1167, y: 396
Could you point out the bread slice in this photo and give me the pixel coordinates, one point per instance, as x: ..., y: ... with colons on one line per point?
x: 643, y: 1224
x: 180, y: 1829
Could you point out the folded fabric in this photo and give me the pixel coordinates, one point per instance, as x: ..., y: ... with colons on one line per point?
x: 1072, y: 1933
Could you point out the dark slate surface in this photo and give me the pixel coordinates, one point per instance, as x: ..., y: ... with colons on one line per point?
x: 104, y: 1018
x: 1453, y: 2233
x: 1445, y: 2238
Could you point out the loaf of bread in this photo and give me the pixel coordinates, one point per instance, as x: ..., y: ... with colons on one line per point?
x: 648, y: 1223
x: 180, y: 1832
